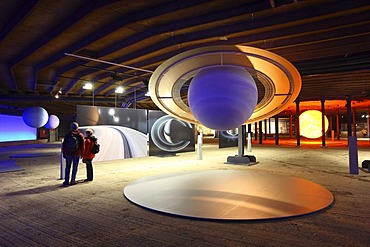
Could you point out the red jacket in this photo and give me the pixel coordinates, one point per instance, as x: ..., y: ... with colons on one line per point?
x: 89, y: 143
x: 81, y: 145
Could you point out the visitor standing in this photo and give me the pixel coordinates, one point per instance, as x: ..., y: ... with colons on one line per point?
x: 72, y: 149
x: 88, y: 155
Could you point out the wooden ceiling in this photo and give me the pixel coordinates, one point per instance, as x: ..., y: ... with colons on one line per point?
x: 328, y: 42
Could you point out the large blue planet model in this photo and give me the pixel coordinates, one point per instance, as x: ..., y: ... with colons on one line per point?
x: 222, y: 97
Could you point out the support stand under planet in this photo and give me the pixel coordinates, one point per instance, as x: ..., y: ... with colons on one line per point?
x: 240, y: 158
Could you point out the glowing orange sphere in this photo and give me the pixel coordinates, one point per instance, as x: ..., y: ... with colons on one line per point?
x: 311, y: 124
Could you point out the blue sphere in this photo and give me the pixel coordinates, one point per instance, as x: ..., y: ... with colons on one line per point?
x: 35, y: 116
x: 222, y: 97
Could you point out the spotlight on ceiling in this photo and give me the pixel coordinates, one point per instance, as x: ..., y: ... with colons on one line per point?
x: 88, y: 86
x: 119, y: 90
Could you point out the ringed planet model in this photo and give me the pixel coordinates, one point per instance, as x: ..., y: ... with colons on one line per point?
x: 211, y: 100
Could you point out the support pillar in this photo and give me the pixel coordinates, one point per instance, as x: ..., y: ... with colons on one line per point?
x: 338, y: 124
x: 330, y: 129
x: 323, y: 144
x: 276, y: 130
x: 291, y: 126
x: 270, y: 126
x: 352, y: 141
x: 241, y: 140
x: 354, y: 122
x: 349, y: 116
x: 368, y: 123
x: 260, y: 133
x: 353, y: 155
x: 298, y: 134
x: 265, y: 129
x: 249, y: 128
x: 255, y: 131
x: 241, y: 158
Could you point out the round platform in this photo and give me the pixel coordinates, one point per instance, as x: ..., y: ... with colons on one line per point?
x: 228, y: 195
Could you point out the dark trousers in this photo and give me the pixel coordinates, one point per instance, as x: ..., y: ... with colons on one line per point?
x: 69, y: 161
x: 89, y: 169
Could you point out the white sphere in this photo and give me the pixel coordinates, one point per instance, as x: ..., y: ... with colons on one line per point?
x: 52, y: 123
x: 35, y: 116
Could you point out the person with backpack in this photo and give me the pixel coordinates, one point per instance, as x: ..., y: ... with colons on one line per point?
x: 72, y: 149
x: 91, y: 148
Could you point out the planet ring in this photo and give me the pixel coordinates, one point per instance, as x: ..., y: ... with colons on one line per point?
x: 281, y: 80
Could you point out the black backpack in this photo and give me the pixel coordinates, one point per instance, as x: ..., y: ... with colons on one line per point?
x: 96, y: 148
x: 72, y: 143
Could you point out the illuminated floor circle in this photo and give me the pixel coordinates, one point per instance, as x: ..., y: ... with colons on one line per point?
x: 228, y: 195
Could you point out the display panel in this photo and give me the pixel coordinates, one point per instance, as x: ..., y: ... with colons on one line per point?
x: 228, y: 138
x: 169, y: 135
x: 117, y: 142
x: 13, y: 128
x: 131, y: 118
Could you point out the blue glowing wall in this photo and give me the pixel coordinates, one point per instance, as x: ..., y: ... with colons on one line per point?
x: 13, y: 128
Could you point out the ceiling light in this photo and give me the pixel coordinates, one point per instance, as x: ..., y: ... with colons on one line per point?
x: 57, y: 96
x: 119, y: 90
x: 88, y: 86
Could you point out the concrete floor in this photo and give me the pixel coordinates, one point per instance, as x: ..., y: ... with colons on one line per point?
x: 36, y: 211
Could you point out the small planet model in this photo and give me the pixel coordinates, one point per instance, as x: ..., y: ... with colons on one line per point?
x: 35, y: 116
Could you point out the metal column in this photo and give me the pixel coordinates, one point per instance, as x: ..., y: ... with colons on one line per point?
x: 276, y: 130
x: 298, y: 134
x: 323, y: 122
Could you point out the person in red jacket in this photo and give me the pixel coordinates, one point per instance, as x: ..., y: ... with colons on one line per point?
x: 72, y: 149
x: 88, y: 156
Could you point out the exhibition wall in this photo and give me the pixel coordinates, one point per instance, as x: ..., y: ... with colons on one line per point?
x: 13, y: 128
x: 167, y: 135
x: 228, y: 138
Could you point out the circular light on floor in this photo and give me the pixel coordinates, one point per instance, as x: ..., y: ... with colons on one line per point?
x: 228, y: 195
x: 310, y: 124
